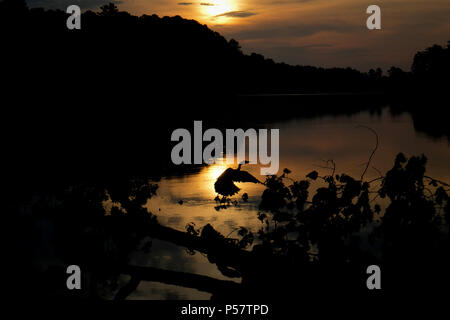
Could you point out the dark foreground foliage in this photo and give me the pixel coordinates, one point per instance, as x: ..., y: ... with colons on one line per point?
x: 316, y: 242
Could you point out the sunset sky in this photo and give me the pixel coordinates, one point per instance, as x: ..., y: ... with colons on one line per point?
x: 308, y: 32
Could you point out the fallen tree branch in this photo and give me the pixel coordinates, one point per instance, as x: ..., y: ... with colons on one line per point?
x: 183, y: 279
x: 128, y: 289
x: 218, y: 251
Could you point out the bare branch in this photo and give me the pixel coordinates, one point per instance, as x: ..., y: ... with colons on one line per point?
x: 441, y: 182
x: 373, y: 152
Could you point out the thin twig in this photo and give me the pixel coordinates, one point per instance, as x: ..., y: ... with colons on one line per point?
x: 379, y: 172
x: 441, y: 182
x: 375, y: 198
x: 334, y: 166
x: 373, y: 180
x: 373, y: 152
x: 234, y: 230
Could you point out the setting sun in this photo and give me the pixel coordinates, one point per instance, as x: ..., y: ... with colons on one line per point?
x: 215, y: 8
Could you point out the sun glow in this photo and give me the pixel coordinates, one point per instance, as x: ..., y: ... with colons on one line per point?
x: 215, y: 8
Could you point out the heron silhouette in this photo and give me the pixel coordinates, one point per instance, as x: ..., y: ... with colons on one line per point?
x: 224, y: 184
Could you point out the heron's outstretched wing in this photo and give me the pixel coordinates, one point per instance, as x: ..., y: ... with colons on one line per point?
x: 224, y: 184
x: 244, y: 176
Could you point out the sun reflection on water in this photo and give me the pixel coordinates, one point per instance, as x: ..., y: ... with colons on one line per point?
x: 215, y: 170
x: 304, y: 143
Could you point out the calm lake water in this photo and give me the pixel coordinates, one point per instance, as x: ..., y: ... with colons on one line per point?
x: 305, y: 145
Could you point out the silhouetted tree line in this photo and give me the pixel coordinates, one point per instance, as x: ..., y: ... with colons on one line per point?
x: 430, y: 72
x: 170, y: 52
x: 423, y: 91
x: 149, y: 53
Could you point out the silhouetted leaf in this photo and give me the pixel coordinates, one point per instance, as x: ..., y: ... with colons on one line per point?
x: 313, y: 175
